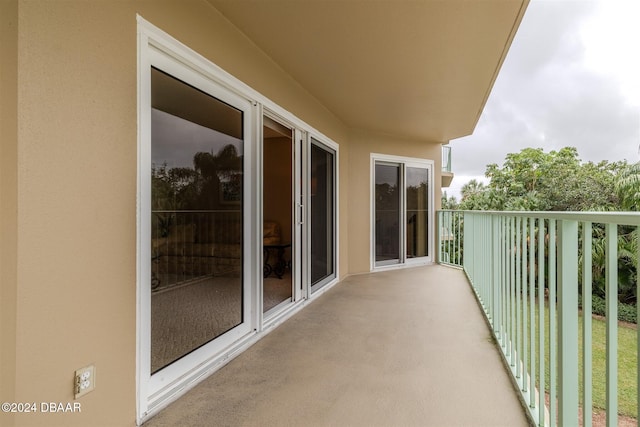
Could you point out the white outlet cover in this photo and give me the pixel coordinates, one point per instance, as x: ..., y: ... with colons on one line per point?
x: 85, y: 381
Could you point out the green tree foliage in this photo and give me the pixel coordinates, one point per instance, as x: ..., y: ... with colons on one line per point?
x: 536, y: 180
x: 628, y: 187
x: 184, y: 188
x: 448, y: 202
x: 555, y: 181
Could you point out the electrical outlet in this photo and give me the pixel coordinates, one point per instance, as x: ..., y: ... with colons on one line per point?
x: 85, y: 381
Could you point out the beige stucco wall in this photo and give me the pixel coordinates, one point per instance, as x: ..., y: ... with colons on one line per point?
x: 361, y: 145
x: 68, y: 147
x: 8, y: 194
x: 73, y: 182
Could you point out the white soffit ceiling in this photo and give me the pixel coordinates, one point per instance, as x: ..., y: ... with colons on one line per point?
x: 419, y: 69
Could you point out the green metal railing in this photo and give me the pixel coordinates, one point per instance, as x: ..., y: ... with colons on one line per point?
x: 526, y: 269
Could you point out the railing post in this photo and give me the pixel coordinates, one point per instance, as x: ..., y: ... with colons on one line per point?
x: 439, y: 224
x: 568, y: 324
x: 496, y: 284
x: 467, y: 240
x: 518, y: 261
x: 541, y: 323
x: 553, y: 335
x: 587, y: 399
x: 532, y: 312
x: 611, y: 269
x: 637, y: 231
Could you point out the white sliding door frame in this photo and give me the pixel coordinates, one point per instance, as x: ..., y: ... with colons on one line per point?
x: 158, y: 49
x: 403, y: 163
x: 156, y: 388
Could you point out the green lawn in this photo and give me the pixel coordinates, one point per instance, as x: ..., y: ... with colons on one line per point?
x: 627, y: 362
x: 627, y: 378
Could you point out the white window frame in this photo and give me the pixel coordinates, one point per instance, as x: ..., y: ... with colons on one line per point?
x: 404, y: 162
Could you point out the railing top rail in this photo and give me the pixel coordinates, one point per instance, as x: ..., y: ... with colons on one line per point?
x: 619, y: 218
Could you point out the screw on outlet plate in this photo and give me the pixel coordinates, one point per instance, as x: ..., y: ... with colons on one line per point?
x: 85, y: 381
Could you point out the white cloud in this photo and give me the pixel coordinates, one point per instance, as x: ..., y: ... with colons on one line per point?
x: 612, y: 35
x: 571, y: 78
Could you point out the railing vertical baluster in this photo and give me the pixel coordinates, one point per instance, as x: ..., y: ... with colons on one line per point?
x: 541, y: 323
x: 587, y: 403
x: 568, y: 324
x: 553, y: 405
x: 489, y: 267
x: 450, y: 242
x: 637, y: 231
x: 532, y: 312
x: 458, y: 237
x: 514, y: 317
x: 483, y: 265
x: 450, y: 236
x: 496, y: 284
x: 439, y: 218
x: 445, y: 243
x: 525, y: 320
x: 468, y: 228
x: 518, y: 298
x: 611, y: 268
x: 503, y: 274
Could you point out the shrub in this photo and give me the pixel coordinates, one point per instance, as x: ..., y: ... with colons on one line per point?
x: 626, y: 312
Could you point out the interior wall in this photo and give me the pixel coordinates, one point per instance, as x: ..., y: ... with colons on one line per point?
x: 75, y: 172
x: 361, y: 145
x: 277, y: 198
x: 8, y: 200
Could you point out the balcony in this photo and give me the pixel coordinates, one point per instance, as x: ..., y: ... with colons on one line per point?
x: 510, y: 257
x: 404, y: 347
x: 447, y: 172
x: 463, y: 343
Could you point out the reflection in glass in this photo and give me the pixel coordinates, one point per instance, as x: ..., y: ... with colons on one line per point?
x: 322, y: 218
x: 196, y: 219
x: 417, y: 182
x: 387, y: 215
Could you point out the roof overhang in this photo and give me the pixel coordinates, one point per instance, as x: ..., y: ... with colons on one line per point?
x: 413, y: 68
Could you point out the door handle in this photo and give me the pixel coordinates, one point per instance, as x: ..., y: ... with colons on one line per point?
x: 301, y: 213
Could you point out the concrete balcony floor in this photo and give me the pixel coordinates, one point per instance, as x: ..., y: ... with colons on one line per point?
x: 396, y: 348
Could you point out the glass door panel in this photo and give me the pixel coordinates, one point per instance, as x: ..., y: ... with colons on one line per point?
x: 277, y: 213
x: 387, y: 213
x: 417, y: 216
x: 197, y: 176
x: 322, y: 214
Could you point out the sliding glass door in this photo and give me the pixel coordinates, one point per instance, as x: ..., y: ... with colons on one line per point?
x: 280, y: 244
x: 388, y: 219
x: 322, y: 214
x: 417, y: 211
x: 402, y: 208
x: 194, y: 205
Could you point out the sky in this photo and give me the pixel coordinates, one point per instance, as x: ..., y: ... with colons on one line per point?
x: 571, y: 78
